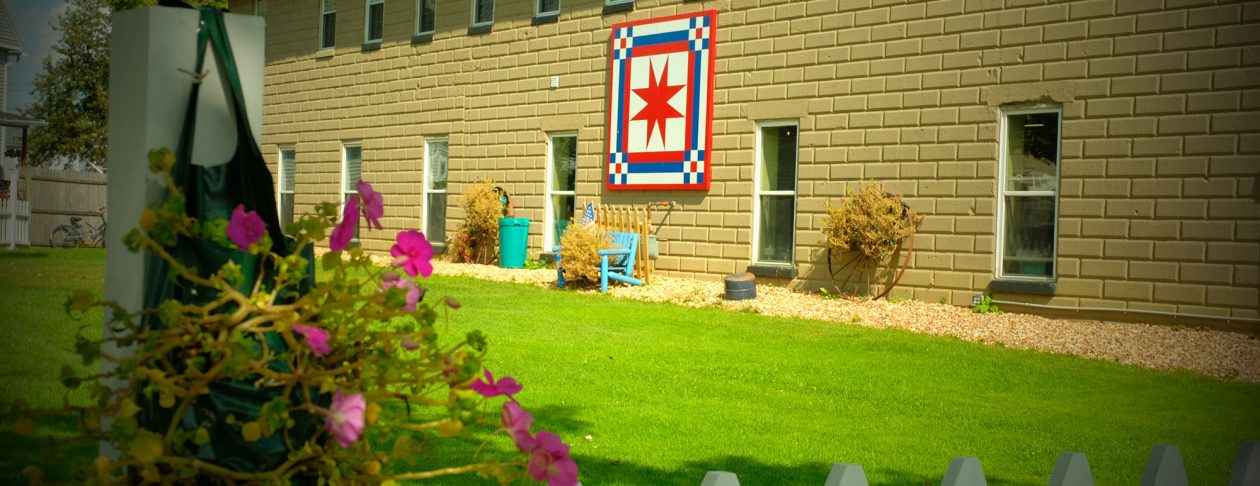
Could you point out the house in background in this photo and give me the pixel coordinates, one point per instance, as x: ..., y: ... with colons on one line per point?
x: 1069, y: 155
x: 10, y: 51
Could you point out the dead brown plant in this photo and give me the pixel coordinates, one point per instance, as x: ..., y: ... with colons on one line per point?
x: 869, y: 225
x: 579, y: 251
x: 477, y: 239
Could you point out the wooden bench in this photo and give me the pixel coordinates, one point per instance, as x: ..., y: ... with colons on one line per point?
x: 617, y: 264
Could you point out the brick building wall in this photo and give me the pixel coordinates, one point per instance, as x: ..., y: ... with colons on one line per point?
x: 1160, y: 153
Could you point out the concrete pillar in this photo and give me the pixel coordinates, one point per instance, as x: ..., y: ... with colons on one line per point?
x: 152, y: 59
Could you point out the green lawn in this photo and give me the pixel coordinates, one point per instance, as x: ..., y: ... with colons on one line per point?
x: 667, y: 393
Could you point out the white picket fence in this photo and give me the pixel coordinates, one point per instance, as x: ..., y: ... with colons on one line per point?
x: 15, y: 227
x: 1163, y: 468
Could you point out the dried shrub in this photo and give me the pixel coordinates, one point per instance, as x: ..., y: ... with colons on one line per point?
x: 579, y: 251
x: 477, y: 239
x: 871, y: 222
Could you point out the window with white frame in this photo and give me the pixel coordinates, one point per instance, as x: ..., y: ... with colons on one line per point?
x: 374, y: 21
x: 426, y: 21
x: 435, y: 171
x: 482, y: 12
x: 561, y: 184
x: 260, y: 8
x: 774, y: 204
x: 351, y: 172
x: 617, y: 2
x: 328, y: 24
x: 286, y: 183
x: 1028, y: 193
x: 547, y: 7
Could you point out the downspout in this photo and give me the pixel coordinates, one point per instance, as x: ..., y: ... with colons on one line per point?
x: 1129, y: 311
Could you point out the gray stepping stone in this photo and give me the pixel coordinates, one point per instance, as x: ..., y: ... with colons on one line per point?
x: 964, y: 471
x: 1247, y: 466
x: 846, y: 474
x: 720, y: 478
x: 1165, y: 467
x: 1072, y: 469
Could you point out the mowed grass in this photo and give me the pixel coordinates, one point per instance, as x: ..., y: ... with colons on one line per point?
x: 36, y: 334
x: 37, y: 340
x: 666, y: 393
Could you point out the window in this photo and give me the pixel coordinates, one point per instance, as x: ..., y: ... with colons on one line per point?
x: 374, y: 21
x: 1028, y: 193
x: 435, y: 170
x: 615, y: 6
x: 547, y: 7
x: 351, y: 172
x: 561, y: 182
x: 260, y: 8
x: 774, y: 204
x: 426, y: 21
x: 328, y: 25
x: 483, y: 12
x: 285, y: 184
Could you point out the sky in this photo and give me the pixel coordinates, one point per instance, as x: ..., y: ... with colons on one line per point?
x: 34, y: 20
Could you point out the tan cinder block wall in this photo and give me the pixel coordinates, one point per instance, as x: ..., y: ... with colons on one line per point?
x: 1160, y: 153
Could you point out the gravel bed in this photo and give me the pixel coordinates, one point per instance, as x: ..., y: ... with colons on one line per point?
x: 1225, y: 355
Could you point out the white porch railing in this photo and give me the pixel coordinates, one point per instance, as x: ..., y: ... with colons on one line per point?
x: 1163, y: 468
x: 15, y: 222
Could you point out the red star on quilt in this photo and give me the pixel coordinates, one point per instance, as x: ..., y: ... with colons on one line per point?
x: 657, y: 96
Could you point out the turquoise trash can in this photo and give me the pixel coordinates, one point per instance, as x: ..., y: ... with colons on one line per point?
x: 513, y: 233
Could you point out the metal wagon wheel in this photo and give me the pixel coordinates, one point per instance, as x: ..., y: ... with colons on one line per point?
x: 851, y: 272
x: 59, y: 237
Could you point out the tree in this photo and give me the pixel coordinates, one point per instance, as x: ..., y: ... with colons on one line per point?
x: 72, y: 91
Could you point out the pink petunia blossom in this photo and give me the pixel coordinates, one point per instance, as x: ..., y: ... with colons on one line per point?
x: 345, y: 418
x: 315, y: 337
x: 245, y: 227
x: 489, y: 388
x: 517, y: 422
x: 373, y: 204
x: 412, y: 253
x: 414, y: 292
x: 550, y: 461
x: 344, y: 231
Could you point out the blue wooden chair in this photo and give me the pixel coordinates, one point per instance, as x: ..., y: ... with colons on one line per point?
x: 617, y: 264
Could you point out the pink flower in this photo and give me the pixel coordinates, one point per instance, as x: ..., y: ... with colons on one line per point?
x: 315, y: 337
x: 344, y: 231
x: 550, y: 461
x: 345, y: 418
x: 414, y: 292
x: 373, y: 204
x: 412, y: 253
x: 517, y: 421
x: 507, y: 386
x: 410, y: 344
x: 245, y: 227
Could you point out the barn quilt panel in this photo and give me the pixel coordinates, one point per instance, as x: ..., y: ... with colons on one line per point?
x: 660, y: 99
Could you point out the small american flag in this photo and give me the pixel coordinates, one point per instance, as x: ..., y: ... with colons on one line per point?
x: 588, y: 216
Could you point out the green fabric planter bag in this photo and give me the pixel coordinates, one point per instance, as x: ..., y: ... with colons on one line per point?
x: 212, y: 193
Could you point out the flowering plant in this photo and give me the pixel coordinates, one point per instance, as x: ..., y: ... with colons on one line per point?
x: 351, y: 371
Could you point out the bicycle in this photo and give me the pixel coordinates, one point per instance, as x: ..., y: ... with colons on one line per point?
x: 78, y: 233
